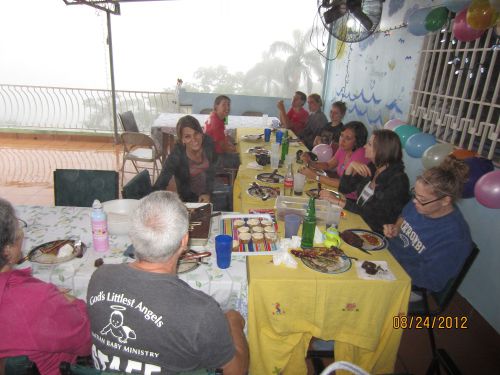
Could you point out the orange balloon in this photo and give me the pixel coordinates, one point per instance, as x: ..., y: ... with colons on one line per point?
x: 462, y: 154
x: 481, y: 15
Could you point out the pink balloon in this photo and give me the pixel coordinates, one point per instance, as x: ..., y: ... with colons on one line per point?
x: 462, y: 30
x: 487, y: 189
x: 323, y: 151
x: 393, y: 124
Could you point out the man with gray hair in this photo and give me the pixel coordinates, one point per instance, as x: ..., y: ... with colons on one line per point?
x: 145, y: 319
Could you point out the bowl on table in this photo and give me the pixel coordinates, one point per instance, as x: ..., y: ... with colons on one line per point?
x: 119, y: 213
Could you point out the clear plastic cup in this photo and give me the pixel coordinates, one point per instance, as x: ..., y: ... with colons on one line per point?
x: 292, y: 224
x: 299, y: 181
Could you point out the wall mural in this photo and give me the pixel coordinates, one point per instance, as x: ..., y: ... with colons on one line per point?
x: 376, y: 76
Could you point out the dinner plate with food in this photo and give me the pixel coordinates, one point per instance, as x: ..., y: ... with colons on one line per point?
x: 364, y: 239
x: 271, y: 178
x: 252, y: 137
x: 54, y: 252
x: 263, y: 192
x: 330, y: 260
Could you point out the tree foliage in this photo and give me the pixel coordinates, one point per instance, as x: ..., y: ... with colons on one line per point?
x: 285, y: 68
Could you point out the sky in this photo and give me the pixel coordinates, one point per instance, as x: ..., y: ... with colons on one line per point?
x: 47, y: 43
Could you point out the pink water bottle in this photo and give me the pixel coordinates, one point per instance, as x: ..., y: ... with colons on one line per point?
x: 99, y: 223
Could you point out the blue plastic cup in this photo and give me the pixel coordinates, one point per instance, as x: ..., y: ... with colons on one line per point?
x: 279, y: 136
x: 223, y: 249
x: 292, y: 224
x: 267, y: 134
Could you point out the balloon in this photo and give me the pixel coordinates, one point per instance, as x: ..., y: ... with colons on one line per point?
x: 323, y: 151
x: 393, y: 124
x: 406, y: 131
x: 436, y: 19
x: 418, y: 143
x: 477, y: 168
x: 462, y: 31
x: 487, y: 190
x: 456, y: 5
x: 416, y: 22
x: 481, y: 15
x: 462, y: 154
x: 435, y: 155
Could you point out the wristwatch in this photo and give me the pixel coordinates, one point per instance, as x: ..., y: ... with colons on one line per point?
x: 317, y: 177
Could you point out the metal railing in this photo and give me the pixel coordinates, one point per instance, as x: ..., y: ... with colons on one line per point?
x: 52, y: 108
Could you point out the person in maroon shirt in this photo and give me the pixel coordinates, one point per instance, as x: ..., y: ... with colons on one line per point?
x: 296, y: 118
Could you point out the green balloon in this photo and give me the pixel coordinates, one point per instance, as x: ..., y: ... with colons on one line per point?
x: 406, y: 131
x: 436, y: 19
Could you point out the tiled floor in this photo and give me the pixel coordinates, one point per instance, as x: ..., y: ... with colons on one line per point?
x: 26, y: 165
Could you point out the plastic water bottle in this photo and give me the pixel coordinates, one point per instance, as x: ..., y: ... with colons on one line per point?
x: 99, y: 223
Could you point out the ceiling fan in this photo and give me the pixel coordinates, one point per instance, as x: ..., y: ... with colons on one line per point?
x: 350, y: 21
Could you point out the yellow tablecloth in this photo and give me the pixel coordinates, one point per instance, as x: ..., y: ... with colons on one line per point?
x: 286, y: 307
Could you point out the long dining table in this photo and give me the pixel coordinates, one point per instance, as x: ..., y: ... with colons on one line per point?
x: 287, y: 307
x: 43, y: 224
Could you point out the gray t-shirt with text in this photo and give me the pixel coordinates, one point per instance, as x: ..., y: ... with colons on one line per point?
x: 152, y: 323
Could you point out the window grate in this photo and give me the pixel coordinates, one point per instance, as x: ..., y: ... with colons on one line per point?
x: 456, y: 92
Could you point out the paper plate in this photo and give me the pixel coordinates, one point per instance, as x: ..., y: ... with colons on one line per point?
x: 39, y: 255
x: 371, y: 241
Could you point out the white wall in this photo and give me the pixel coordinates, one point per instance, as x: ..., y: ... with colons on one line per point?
x: 382, y: 72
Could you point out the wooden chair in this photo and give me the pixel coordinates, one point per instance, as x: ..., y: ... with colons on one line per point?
x: 138, y: 147
x: 79, y: 187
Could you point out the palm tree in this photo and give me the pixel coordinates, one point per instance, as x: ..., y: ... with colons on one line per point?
x: 302, y: 62
x: 265, y: 78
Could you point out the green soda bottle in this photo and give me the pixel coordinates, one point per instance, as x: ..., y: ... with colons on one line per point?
x: 309, y: 225
x: 284, y: 146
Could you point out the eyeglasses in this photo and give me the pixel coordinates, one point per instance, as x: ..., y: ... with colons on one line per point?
x: 424, y: 203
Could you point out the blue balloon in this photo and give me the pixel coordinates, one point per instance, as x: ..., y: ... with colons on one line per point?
x: 418, y: 143
x: 456, y: 5
x: 416, y: 21
x: 477, y: 168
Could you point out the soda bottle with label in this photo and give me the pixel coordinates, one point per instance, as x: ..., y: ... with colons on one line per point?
x: 288, y: 181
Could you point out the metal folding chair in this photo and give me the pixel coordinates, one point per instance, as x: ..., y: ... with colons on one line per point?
x: 138, y: 147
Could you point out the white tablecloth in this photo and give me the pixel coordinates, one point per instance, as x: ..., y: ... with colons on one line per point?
x: 228, y: 287
x: 168, y: 121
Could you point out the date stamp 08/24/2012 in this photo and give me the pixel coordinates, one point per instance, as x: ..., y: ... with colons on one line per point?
x: 438, y: 322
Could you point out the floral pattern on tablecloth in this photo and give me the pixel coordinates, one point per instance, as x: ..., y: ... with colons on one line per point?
x: 228, y: 287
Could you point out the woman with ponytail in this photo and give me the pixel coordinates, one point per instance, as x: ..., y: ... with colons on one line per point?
x: 431, y: 239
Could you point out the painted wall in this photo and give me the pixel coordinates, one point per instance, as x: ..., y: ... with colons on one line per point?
x: 380, y: 75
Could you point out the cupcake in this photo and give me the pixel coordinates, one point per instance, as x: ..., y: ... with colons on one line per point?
x: 245, y: 238
x: 269, y: 229
x: 243, y: 230
x: 266, y: 222
x: 236, y: 245
x: 257, y: 237
x: 271, y: 237
x: 253, y: 222
x: 238, y: 223
x: 257, y: 229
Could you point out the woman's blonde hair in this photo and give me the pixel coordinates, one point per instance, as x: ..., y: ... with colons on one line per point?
x: 447, y: 179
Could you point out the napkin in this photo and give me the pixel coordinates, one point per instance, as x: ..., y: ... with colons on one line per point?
x: 282, y: 256
x: 318, y: 236
x: 386, y: 274
x: 254, y: 165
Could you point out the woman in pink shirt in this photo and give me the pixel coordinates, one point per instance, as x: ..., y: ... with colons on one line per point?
x: 352, y: 140
x: 36, y: 319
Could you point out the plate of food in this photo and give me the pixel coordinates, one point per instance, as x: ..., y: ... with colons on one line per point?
x: 190, y: 261
x: 263, y: 192
x: 364, y: 239
x: 252, y: 137
x: 54, y: 252
x: 330, y: 260
x: 257, y: 150
x: 272, y: 178
x: 314, y: 193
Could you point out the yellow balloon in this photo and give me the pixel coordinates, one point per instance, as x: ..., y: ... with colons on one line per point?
x: 481, y: 15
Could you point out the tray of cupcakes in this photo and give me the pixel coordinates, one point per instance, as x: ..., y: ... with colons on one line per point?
x: 253, y: 234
